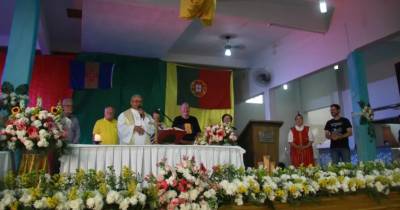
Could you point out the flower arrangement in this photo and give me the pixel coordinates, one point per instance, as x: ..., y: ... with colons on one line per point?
x: 185, y: 186
x: 221, y: 134
x: 34, y: 129
x: 11, y: 97
x: 191, y: 186
x: 366, y: 117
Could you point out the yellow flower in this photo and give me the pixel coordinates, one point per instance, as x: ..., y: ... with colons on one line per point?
x: 52, y: 202
x: 132, y: 187
x: 103, y: 189
x: 15, y: 110
x: 14, y: 205
x: 79, y: 176
x: 241, y: 189
x: 73, y: 193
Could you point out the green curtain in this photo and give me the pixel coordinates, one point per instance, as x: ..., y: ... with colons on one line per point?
x: 144, y: 76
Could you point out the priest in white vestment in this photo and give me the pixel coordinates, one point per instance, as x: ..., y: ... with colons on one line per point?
x: 135, y: 127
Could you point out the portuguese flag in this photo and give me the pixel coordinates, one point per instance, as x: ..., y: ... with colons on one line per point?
x: 217, y: 93
x: 204, y: 88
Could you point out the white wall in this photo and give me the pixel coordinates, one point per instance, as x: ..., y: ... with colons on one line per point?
x: 355, y: 23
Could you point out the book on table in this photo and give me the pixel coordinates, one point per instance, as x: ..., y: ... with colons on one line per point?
x: 170, y: 135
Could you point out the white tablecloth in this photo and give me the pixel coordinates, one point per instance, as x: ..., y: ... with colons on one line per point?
x: 5, y: 163
x: 143, y: 159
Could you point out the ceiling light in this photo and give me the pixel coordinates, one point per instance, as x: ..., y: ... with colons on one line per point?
x: 285, y: 86
x: 336, y: 67
x: 228, y: 51
x: 323, y: 7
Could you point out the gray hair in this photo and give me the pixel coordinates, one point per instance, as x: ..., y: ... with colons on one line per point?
x: 67, y: 101
x: 136, y: 96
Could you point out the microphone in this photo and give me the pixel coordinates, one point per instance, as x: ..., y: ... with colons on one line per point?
x: 166, y: 116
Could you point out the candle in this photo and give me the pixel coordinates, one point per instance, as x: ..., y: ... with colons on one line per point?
x: 97, y: 137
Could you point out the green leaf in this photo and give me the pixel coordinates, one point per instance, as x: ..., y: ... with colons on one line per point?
x: 22, y: 89
x: 7, y: 88
x: 362, y: 104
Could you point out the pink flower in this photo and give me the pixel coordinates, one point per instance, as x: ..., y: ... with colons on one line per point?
x: 20, y: 125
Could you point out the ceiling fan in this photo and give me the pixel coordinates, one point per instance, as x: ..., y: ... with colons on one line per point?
x: 228, y: 47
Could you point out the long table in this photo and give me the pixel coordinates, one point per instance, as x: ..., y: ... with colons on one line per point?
x: 143, y: 159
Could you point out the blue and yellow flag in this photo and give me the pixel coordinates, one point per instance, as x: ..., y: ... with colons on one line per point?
x: 91, y: 75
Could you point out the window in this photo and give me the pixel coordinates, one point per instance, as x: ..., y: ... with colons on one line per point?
x: 256, y: 100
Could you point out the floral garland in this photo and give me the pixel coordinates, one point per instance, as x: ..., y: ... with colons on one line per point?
x: 366, y: 117
x: 221, y: 134
x: 191, y: 186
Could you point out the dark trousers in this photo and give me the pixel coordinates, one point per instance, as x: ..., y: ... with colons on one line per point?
x: 340, y: 155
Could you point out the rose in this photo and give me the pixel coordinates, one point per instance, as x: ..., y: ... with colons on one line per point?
x: 33, y: 132
x: 163, y: 185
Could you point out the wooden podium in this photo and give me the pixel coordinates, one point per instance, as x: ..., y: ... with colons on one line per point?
x: 260, y: 138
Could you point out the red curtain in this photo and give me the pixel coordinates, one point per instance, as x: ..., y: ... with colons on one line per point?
x: 50, y: 78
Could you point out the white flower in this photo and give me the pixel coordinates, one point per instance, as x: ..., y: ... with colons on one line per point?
x: 40, y: 204
x: 59, y: 144
x: 113, y: 197
x: 171, y: 194
x: 11, y: 145
x: 43, y: 143
x: 43, y: 133
x: 124, y: 205
x: 37, y: 123
x: 133, y: 200
x: 90, y: 203
x: 193, y: 194
x: 26, y: 198
x: 209, y: 193
x: 43, y: 114
x: 20, y: 133
x: 142, y: 198
x: 28, y: 144
x: 379, y: 186
x: 8, y: 198
x: 239, y: 200
x: 76, y: 204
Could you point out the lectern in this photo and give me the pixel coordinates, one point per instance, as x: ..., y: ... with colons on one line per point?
x: 260, y: 138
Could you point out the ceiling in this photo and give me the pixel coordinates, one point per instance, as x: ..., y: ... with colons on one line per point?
x: 152, y: 28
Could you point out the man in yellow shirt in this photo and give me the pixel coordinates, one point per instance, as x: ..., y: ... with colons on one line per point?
x: 105, y: 130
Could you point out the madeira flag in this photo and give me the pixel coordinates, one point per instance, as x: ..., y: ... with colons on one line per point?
x: 91, y: 75
x: 206, y: 89
x: 208, y: 92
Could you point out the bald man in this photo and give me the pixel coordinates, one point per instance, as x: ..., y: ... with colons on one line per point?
x: 188, y: 123
x: 106, y: 128
x: 134, y: 125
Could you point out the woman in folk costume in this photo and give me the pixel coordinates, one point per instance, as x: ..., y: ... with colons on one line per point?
x: 300, y: 139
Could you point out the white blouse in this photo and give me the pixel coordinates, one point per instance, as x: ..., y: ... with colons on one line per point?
x: 300, y: 128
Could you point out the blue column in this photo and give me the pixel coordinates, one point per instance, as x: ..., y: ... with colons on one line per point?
x: 366, y: 146
x: 22, y: 42
x: 21, y: 47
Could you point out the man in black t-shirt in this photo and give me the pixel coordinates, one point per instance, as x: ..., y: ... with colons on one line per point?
x: 187, y: 123
x: 338, y: 130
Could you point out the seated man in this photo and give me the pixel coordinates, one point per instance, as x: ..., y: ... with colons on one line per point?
x: 187, y: 123
x: 106, y: 128
x: 134, y: 126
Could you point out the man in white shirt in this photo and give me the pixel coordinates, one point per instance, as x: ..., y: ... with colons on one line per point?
x: 134, y: 125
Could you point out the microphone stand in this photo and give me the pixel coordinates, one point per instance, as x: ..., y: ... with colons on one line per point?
x: 163, y: 114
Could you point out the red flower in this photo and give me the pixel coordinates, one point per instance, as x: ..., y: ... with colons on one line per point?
x: 182, y: 185
x: 163, y: 185
x: 33, y: 132
x: 221, y: 133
